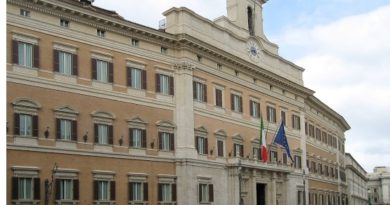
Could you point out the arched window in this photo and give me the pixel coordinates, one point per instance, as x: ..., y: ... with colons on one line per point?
x: 250, y: 22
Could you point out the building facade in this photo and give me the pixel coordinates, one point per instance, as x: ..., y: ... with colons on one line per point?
x: 357, y: 181
x: 101, y: 110
x: 379, y: 186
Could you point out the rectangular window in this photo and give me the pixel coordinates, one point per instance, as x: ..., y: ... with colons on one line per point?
x: 298, y: 162
x: 318, y: 134
x: 206, y: 193
x: 296, y: 122
x: 102, y: 190
x: 311, y: 130
x: 236, y: 103
x: 102, y: 71
x: 220, y: 147
x: 164, y: 84
x: 25, y: 125
x: 283, y: 117
x: 271, y: 114
x: 284, y: 158
x: 65, y: 63
x: 66, y: 129
x: 166, y: 192
x: 103, y: 134
x: 100, y: 33
x: 137, y: 138
x: 24, y: 13
x: 134, y: 42
x: 274, y: 156
x: 200, y: 91
x: 25, y: 188
x: 218, y: 97
x: 256, y: 153
x: 138, y: 191
x: 64, y: 23
x: 201, y: 144
x: 136, y: 78
x: 238, y: 150
x: 164, y: 50
x: 324, y: 137
x: 67, y: 189
x: 254, y: 109
x: 25, y: 54
x: 166, y: 141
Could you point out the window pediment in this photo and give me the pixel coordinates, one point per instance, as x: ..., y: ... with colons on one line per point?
x: 202, y: 131
x: 103, y: 117
x: 26, y: 105
x: 238, y: 137
x: 220, y: 133
x: 165, y: 124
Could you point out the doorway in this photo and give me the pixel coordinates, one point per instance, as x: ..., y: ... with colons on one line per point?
x: 260, y: 194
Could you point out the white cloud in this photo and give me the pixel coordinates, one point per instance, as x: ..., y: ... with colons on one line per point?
x: 348, y: 65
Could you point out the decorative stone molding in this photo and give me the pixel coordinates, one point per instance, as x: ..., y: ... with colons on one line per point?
x: 184, y: 66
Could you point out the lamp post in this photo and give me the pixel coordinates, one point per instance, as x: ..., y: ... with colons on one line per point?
x: 49, y: 185
x: 304, y: 186
x: 241, y: 202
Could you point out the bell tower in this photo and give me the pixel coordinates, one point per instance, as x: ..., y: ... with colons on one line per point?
x: 247, y: 14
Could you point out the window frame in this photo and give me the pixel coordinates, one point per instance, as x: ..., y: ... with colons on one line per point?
x: 236, y: 102
x: 254, y: 106
x: 163, y: 89
x: 24, y: 172
x: 107, y: 177
x: 199, y: 91
x: 271, y: 114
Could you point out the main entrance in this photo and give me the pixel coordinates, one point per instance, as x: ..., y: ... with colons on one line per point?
x: 260, y: 194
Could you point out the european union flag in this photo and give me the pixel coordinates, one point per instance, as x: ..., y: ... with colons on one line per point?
x: 281, y: 139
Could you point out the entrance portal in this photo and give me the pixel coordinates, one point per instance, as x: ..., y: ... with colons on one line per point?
x: 260, y: 194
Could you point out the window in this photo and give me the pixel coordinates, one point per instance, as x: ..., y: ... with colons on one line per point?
x: 297, y: 162
x: 201, y: 144
x: 256, y: 153
x: 24, y: 13
x: 273, y: 156
x: 311, y: 130
x: 220, y: 148
x: 100, y: 33
x: 318, y: 134
x: 104, y: 190
x: 102, y: 71
x: 238, y: 150
x: 26, y: 125
x: 296, y: 122
x: 67, y: 189
x: 64, y: 23
x: 320, y: 171
x: 199, y: 58
x: 25, y: 54
x: 103, y: 134
x: 166, y: 192
x: 136, y: 78
x: 164, y: 50
x: 324, y: 137
x: 206, y: 193
x: 164, y: 84
x: 137, y: 138
x: 283, y: 117
x: 199, y: 91
x: 166, y: 141
x: 134, y: 42
x: 271, y: 114
x: 138, y: 191
x: 218, y: 97
x: 254, y: 108
x: 219, y: 66
x: 65, y: 63
x: 284, y: 158
x: 236, y: 103
x: 25, y: 188
x: 66, y: 129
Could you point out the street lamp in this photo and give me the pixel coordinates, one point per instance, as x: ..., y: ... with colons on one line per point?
x: 241, y: 201
x: 304, y: 186
x: 49, y: 185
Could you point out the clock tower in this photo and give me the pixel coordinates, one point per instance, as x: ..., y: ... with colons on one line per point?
x: 247, y: 14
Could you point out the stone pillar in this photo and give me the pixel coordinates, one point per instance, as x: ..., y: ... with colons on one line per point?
x: 302, y: 134
x: 273, y: 192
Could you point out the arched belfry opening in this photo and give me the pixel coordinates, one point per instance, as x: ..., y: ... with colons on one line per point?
x: 250, y: 21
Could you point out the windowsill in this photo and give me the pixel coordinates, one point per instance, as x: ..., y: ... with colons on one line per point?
x: 103, y: 147
x: 219, y: 109
x: 138, y: 203
x: 102, y: 85
x: 104, y: 202
x: 137, y: 151
x: 25, y: 70
x: 200, y: 104
x: 136, y: 92
x: 236, y: 114
x: 164, y: 97
x: 25, y: 201
x: 67, y: 144
x: 26, y: 140
x: 67, y: 202
x: 65, y: 78
x: 166, y: 153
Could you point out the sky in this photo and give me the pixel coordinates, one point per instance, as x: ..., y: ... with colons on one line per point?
x: 344, y: 46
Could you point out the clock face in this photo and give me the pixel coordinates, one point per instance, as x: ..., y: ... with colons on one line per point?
x: 253, y: 50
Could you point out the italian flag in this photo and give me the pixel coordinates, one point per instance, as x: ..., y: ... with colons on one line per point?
x: 263, y: 142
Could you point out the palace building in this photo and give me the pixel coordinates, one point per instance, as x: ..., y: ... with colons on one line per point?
x: 102, y: 110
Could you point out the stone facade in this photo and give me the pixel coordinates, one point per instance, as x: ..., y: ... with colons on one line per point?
x: 357, y: 181
x: 107, y: 111
x: 379, y: 186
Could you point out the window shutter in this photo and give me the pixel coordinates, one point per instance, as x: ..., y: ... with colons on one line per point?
x: 240, y: 97
x: 95, y: 190
x: 76, y: 189
x: 15, y: 53
x: 251, y: 108
x: 16, y: 123
x: 220, y: 148
x: 93, y: 69
x: 75, y: 61
x: 58, y: 128
x: 110, y: 72
x: 158, y: 90
x: 242, y: 151
x: 36, y: 56
x: 56, y: 63
x: 194, y: 89
x: 146, y: 198
x: 58, y: 189
x: 173, y: 192
x: 37, y: 189
x: 232, y: 101
x: 15, y: 188
x: 211, y: 193
x: 130, y: 184
x: 35, y: 125
x: 144, y: 79
x: 74, y: 130
x: 258, y: 109
x: 143, y: 138
x: 218, y: 97
x: 197, y: 144
x: 172, y: 141
x: 235, y: 150
x: 205, y: 93
x: 206, y: 144
x: 160, y: 140
x: 112, y: 190
x: 268, y: 113
x: 110, y: 135
x: 131, y: 142
x: 159, y: 192
x: 96, y: 132
x: 128, y: 69
x: 171, y: 86
x: 200, y: 193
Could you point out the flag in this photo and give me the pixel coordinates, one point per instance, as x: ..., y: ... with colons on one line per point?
x: 281, y: 139
x: 263, y: 142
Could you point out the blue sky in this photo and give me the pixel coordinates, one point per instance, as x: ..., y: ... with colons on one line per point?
x: 344, y: 45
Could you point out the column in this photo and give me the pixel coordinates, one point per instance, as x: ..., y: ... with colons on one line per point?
x: 302, y: 134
